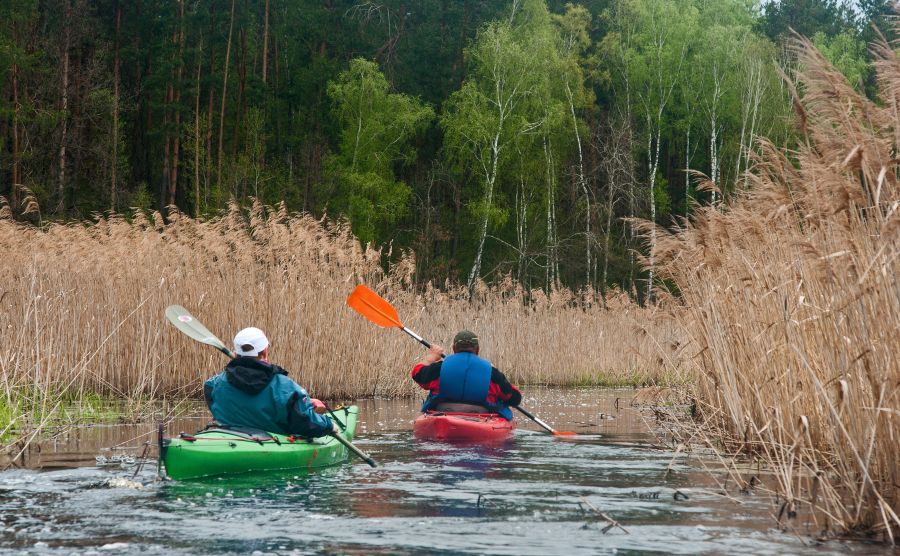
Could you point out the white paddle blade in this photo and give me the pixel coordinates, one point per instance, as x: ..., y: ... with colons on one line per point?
x: 185, y: 322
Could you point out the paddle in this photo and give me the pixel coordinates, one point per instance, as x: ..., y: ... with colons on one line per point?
x: 377, y: 309
x: 185, y: 322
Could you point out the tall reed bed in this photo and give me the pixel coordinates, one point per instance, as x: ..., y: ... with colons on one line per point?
x: 792, y: 297
x: 82, y: 311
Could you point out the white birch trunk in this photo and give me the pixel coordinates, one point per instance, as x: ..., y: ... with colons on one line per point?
x: 491, y: 177
x: 687, y: 173
x: 588, y: 236
x: 714, y: 169
x: 751, y: 99
x: 521, y: 229
x: 631, y: 195
x: 654, y: 136
x: 552, y: 247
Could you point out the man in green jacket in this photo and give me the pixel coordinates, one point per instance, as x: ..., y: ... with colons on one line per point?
x: 252, y: 392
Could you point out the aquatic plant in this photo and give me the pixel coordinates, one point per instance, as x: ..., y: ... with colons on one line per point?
x: 83, y: 310
x: 791, y: 296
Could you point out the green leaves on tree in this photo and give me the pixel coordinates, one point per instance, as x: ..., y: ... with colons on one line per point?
x: 377, y: 128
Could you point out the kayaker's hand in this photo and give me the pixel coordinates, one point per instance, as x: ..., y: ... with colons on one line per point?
x: 335, y: 429
x: 435, y: 353
x: 318, y: 406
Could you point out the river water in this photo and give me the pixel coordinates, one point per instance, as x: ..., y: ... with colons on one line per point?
x: 535, y: 494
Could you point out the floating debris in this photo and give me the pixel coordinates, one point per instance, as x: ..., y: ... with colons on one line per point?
x: 115, y: 461
x: 483, y: 502
x: 644, y: 495
x: 612, y: 522
x: 115, y: 546
x: 121, y: 482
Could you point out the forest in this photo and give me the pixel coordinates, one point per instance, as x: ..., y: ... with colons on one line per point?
x: 493, y: 139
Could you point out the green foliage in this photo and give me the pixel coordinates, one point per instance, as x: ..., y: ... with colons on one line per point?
x: 377, y: 128
x: 22, y: 409
x: 805, y: 17
x: 140, y: 199
x: 847, y: 54
x: 663, y: 202
x: 508, y: 131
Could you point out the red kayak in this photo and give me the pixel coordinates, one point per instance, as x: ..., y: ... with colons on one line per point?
x: 464, y: 427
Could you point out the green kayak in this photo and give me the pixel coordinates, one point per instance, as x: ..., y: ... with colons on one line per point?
x: 218, y: 451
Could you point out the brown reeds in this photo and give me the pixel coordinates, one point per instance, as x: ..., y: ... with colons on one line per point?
x: 791, y: 295
x: 82, y: 311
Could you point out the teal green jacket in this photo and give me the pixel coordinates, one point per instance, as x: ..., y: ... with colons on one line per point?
x: 253, y: 393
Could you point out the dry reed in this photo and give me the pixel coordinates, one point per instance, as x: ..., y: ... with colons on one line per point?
x: 791, y: 297
x: 82, y: 311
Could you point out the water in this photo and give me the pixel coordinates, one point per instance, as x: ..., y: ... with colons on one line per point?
x: 533, y: 495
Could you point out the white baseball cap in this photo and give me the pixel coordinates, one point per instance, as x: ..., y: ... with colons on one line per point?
x: 250, y: 342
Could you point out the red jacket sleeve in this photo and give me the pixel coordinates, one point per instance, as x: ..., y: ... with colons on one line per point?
x: 501, y: 390
x: 428, y: 376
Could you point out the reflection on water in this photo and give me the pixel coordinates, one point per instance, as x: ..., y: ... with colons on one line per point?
x: 533, y: 495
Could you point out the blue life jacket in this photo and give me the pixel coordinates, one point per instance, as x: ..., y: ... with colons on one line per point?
x: 465, y: 377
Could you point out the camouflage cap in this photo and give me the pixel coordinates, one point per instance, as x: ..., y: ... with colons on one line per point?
x: 465, y: 339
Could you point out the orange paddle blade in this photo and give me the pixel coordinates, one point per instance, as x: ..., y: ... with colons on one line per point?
x: 564, y: 433
x: 372, y: 306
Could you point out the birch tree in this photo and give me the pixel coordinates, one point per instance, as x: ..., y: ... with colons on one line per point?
x: 487, y: 115
x: 377, y: 127
x: 754, y: 64
x: 733, y: 90
x: 574, y: 40
x: 723, y: 46
x: 655, y: 57
x: 617, y: 163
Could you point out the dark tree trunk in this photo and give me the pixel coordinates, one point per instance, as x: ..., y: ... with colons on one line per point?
x: 197, y: 131
x: 176, y: 139
x: 242, y: 83
x: 64, y: 108
x: 113, y: 170
x: 16, y: 171
x: 265, y: 52
x: 224, y: 96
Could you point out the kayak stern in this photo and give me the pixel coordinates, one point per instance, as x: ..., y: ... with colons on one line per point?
x: 463, y: 427
x: 220, y: 451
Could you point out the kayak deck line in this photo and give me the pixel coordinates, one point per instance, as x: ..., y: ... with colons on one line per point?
x: 290, y: 439
x: 462, y: 414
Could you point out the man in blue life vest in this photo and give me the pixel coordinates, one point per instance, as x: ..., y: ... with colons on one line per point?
x: 252, y: 392
x: 464, y: 381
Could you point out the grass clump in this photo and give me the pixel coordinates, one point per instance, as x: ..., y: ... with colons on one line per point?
x: 26, y: 410
x: 634, y: 378
x: 792, y: 298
